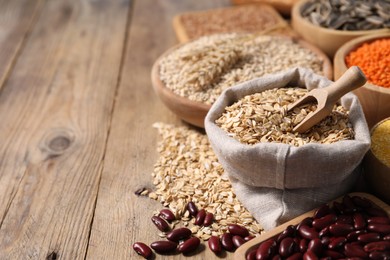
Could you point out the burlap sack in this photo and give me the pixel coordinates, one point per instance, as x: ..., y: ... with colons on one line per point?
x: 277, y: 182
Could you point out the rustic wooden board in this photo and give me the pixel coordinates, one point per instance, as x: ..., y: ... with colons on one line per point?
x: 121, y: 217
x: 16, y: 19
x: 55, y: 112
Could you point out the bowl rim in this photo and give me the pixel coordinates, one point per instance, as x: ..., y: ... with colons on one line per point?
x: 296, y: 13
x: 159, y: 85
x: 353, y: 44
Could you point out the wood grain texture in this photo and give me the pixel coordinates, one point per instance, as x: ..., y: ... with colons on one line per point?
x: 56, y: 111
x: 121, y: 217
x: 17, y: 17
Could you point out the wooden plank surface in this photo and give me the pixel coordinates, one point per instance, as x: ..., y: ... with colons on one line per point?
x: 16, y: 19
x: 121, y: 217
x: 55, y: 113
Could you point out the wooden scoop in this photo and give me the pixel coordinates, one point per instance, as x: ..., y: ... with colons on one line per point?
x: 327, y: 97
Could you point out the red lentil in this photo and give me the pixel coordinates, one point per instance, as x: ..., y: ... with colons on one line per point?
x: 374, y: 60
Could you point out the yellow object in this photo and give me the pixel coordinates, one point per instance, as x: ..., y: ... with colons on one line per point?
x: 380, y: 142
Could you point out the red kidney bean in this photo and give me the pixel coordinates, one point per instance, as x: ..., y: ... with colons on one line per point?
x: 189, y: 245
x: 324, y: 232
x: 238, y: 241
x: 340, y: 229
x: 160, y: 223
x: 377, y: 246
x: 191, y: 207
x: 266, y: 249
x: 361, y: 202
x: 238, y: 230
x: 215, y: 244
x: 288, y: 232
x: 324, y: 221
x: 199, y: 219
x: 359, y: 221
x: 308, y: 232
x: 142, y: 249
x: 351, y: 250
x: 333, y: 254
x: 227, y: 242
x: 250, y: 237
x: 380, y: 228
x: 337, y: 242
x: 167, y: 215
x: 315, y: 246
x: 376, y: 212
x: 305, y: 222
x: 369, y: 237
x: 287, y: 247
x: 303, y: 245
x: 322, y: 211
x: 352, y: 236
x: 179, y: 234
x: 163, y: 246
x: 251, y: 255
x: 379, y: 255
x: 378, y: 220
x: 325, y: 241
x: 208, y: 220
x: 345, y: 219
x: 296, y: 256
x: 310, y: 255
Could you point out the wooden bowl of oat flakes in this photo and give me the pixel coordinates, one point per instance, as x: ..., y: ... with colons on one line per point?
x: 330, y: 24
x: 188, y: 78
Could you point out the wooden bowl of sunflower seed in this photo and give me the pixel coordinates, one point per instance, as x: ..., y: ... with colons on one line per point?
x: 328, y: 24
x: 188, y: 78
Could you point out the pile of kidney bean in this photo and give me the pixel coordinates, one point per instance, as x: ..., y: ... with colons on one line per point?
x: 181, y: 239
x: 353, y: 228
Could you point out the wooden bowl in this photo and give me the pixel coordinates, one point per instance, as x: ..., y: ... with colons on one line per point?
x: 375, y: 100
x: 194, y: 112
x: 243, y: 250
x: 376, y: 173
x: 328, y: 40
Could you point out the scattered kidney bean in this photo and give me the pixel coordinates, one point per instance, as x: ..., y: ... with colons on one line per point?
x: 179, y: 234
x: 337, y: 242
x: 208, y: 220
x: 340, y: 229
x: 309, y: 255
x: 376, y: 255
x: 251, y: 255
x: 250, y: 237
x: 369, y: 237
x: 359, y: 221
x: 215, y: 244
x: 352, y: 236
x: 163, y: 246
x: 191, y: 207
x: 142, y: 249
x: 266, y: 249
x: 160, y: 223
x: 380, y: 228
x: 199, y: 219
x: 238, y: 230
x: 377, y: 246
x: 324, y: 221
x: 238, y: 241
x: 227, y: 242
x: 167, y: 215
x: 288, y: 232
x: 303, y: 245
x: 322, y: 211
x: 378, y: 220
x: 354, y: 250
x: 189, y: 245
x: 308, y: 232
x: 316, y: 246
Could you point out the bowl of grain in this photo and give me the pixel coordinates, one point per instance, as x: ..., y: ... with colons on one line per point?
x: 377, y: 160
x: 371, y: 54
x: 330, y: 24
x: 188, y: 78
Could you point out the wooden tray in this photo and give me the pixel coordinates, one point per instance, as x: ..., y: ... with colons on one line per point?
x: 256, y: 18
x: 283, y: 6
x: 247, y: 247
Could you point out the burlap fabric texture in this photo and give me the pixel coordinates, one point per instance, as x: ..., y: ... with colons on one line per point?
x: 277, y: 182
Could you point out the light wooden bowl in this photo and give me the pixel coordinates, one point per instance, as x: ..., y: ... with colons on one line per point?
x: 328, y: 40
x: 243, y: 250
x: 195, y: 112
x: 376, y: 173
x: 375, y: 100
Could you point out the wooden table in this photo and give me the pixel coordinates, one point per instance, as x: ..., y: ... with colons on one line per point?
x: 76, y: 136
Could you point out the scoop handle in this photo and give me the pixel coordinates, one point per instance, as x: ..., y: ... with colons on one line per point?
x: 352, y: 79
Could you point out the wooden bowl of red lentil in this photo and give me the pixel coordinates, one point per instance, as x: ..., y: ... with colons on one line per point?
x: 371, y: 53
x: 328, y: 39
x: 377, y: 161
x: 194, y: 111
